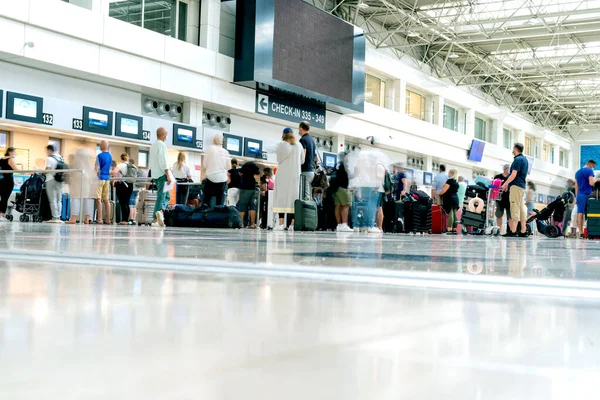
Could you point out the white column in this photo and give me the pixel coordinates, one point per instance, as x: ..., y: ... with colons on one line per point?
x: 428, y: 166
x: 339, y: 144
x: 438, y: 111
x: 210, y: 18
x: 390, y: 88
x: 400, y: 96
x: 520, y: 135
x: 193, y: 22
x: 192, y: 112
x: 470, y: 123
x: 556, y: 151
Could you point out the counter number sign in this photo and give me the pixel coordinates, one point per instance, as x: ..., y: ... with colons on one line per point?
x: 145, y: 135
x: 47, y: 119
x: 199, y: 144
x: 77, y: 124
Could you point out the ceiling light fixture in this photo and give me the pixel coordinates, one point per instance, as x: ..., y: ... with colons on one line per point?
x: 586, y: 130
x: 412, y: 34
x: 363, y: 6
x: 453, y: 56
x: 512, y: 89
x: 571, y: 122
x: 555, y: 113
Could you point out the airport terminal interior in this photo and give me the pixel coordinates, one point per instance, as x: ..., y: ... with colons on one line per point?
x: 434, y: 162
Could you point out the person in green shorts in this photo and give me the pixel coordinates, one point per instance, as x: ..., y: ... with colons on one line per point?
x: 341, y: 197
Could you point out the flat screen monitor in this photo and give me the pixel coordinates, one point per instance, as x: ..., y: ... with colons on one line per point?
x: 427, y: 178
x: 530, y: 162
x: 476, y: 151
x: 128, y: 126
x: 184, y: 136
x: 253, y: 148
x: 96, y: 120
x: 233, y: 144
x: 23, y: 107
x: 329, y: 160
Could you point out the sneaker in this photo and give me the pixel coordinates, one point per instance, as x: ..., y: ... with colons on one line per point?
x: 523, y: 235
x: 344, y: 228
x: 279, y: 228
x: 3, y: 219
x: 291, y: 228
x: 160, y: 218
x: 374, y: 230
x: 157, y: 225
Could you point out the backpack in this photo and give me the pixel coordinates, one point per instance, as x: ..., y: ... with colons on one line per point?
x: 61, y: 164
x: 132, y: 171
x: 388, y: 186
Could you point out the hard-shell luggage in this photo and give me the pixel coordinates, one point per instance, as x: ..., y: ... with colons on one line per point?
x: 417, y: 216
x: 305, y: 215
x: 439, y: 220
x: 305, y: 212
x: 393, y: 217
x: 593, y: 217
x: 326, y: 213
x: 65, y: 214
x: 145, y: 207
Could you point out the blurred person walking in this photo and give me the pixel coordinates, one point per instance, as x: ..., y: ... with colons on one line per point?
x: 159, y: 169
x: 290, y: 158
x: 7, y: 182
x: 83, y: 160
x: 530, y: 202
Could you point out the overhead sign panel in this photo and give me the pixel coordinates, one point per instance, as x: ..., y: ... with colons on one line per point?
x: 290, y: 109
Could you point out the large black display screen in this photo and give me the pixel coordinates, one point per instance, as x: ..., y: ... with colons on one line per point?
x: 312, y: 49
x: 291, y: 46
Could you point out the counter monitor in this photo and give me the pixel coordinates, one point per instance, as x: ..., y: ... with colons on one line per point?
x: 233, y: 144
x: 22, y: 107
x: 96, y: 120
x: 253, y: 148
x: 129, y: 126
x: 184, y: 136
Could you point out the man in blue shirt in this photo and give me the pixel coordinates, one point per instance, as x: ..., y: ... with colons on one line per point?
x: 438, y: 184
x: 402, y: 184
x: 515, y: 183
x: 103, y: 164
x: 584, y: 186
x: 308, y: 168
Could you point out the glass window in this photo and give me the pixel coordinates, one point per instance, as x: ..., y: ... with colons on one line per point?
x: 450, y: 118
x: 168, y: 17
x: 508, y: 140
x: 160, y: 16
x: 546, y: 150
x: 143, y: 159
x: 375, y: 91
x: 552, y: 155
x: 182, y: 21
x: 480, y: 129
x: 81, y: 3
x: 527, y: 146
x: 126, y: 11
x: 563, y: 159
x: 415, y: 105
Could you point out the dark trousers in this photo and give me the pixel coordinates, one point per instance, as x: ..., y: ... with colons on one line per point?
x: 182, y: 192
x: 215, y: 193
x: 264, y: 210
x: 6, y: 188
x: 124, y: 191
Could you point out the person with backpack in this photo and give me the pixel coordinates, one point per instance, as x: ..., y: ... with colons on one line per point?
x: 103, y: 168
x: 54, y: 183
x: 128, y: 172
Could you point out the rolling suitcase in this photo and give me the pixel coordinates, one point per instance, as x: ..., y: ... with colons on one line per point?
x: 439, y: 220
x: 145, y: 207
x: 593, y: 217
x: 65, y: 213
x: 393, y: 217
x: 305, y: 213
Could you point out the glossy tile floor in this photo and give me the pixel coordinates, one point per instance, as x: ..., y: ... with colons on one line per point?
x: 138, y: 313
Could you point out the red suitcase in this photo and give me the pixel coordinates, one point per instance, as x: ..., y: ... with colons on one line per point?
x: 439, y: 220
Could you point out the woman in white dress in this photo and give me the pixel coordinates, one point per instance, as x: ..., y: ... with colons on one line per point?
x: 290, y: 157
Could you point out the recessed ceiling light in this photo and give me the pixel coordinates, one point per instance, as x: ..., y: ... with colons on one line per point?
x: 413, y: 34
x: 512, y: 89
x: 555, y: 113
x: 571, y: 122
x: 363, y: 6
x: 453, y: 55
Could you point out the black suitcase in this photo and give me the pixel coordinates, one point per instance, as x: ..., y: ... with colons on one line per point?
x: 593, y: 217
x: 222, y: 217
x: 417, y: 217
x: 306, y: 215
x: 393, y: 217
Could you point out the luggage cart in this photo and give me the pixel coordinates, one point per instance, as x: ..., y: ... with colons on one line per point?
x: 479, y: 223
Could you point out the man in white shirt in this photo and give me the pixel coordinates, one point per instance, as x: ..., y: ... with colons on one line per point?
x: 54, y: 189
x: 159, y: 169
x: 216, y: 164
